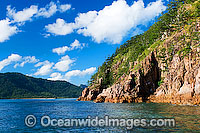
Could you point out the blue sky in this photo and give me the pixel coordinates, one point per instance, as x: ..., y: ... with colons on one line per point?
x: 68, y: 39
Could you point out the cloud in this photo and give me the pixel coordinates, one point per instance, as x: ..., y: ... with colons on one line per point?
x: 75, y: 45
x: 46, y: 35
x: 112, y: 23
x: 60, y: 27
x: 50, y: 9
x: 45, y: 68
x: 19, y: 60
x: 22, y: 16
x: 12, y: 58
x: 27, y: 59
x: 33, y: 11
x: 10, y: 25
x: 75, y: 73
x: 84, y: 19
x: 64, y: 8
x: 7, y: 30
x: 30, y: 75
x: 64, y: 64
x: 56, y: 76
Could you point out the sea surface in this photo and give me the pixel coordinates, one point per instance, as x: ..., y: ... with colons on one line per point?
x: 14, y: 112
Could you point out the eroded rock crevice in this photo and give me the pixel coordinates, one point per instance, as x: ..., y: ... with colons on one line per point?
x: 136, y: 87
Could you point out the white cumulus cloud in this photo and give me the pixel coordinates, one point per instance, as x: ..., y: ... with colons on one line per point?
x: 60, y: 27
x: 7, y: 30
x: 84, y: 19
x: 27, y: 59
x: 45, y: 68
x: 64, y: 7
x: 112, y: 23
x: 64, y: 64
x: 33, y: 11
x: 10, y: 25
x: 79, y: 73
x: 50, y: 9
x: 73, y: 73
x: 11, y: 59
x: 56, y: 76
x: 22, y: 16
x: 75, y: 45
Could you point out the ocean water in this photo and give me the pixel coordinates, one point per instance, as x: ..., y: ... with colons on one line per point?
x: 14, y: 112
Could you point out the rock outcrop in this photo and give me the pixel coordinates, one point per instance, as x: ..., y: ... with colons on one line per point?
x: 135, y: 87
x: 181, y: 84
x: 169, y: 72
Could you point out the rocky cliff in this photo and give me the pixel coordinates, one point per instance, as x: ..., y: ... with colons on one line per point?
x: 167, y: 71
x: 181, y: 80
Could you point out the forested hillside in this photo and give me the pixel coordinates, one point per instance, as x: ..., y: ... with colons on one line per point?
x: 160, y: 65
x: 137, y: 48
x: 16, y: 85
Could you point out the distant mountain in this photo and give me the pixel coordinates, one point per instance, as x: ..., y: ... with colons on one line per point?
x: 16, y: 85
x: 83, y: 86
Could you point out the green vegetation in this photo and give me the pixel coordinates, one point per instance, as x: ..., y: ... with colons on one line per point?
x: 137, y: 67
x: 179, y: 14
x: 16, y: 85
x: 185, y: 51
x: 160, y: 82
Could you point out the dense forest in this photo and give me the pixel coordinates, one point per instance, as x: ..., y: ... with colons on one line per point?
x: 139, y: 46
x: 16, y: 85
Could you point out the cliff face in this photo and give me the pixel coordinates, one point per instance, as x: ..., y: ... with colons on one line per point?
x: 135, y: 87
x: 181, y: 80
x: 168, y: 71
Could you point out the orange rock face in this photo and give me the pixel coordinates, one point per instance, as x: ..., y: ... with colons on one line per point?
x: 179, y: 73
x: 128, y: 90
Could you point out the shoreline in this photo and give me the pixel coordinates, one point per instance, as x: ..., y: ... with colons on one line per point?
x: 34, y: 98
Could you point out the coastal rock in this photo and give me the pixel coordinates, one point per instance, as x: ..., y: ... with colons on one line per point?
x: 136, y: 87
x: 169, y: 73
x: 197, y: 84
